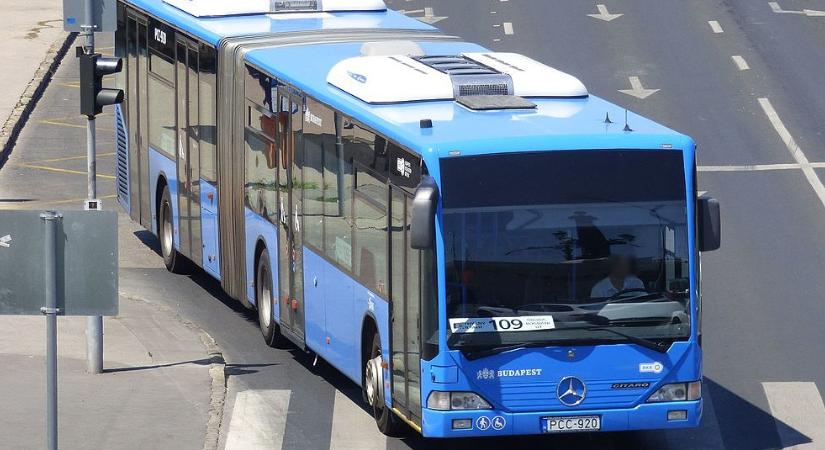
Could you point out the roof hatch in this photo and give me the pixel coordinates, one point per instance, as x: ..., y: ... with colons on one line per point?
x: 218, y: 8
x: 399, y: 78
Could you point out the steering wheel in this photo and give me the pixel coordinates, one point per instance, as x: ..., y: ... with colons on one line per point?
x: 618, y: 295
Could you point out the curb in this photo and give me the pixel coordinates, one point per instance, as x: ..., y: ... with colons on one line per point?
x: 31, y: 95
x: 217, y: 371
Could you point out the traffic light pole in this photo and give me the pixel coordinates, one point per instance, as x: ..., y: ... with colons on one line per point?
x: 94, y: 324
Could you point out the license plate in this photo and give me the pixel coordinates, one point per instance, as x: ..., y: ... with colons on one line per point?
x: 571, y: 424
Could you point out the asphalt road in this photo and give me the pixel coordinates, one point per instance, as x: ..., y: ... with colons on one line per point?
x: 761, y: 153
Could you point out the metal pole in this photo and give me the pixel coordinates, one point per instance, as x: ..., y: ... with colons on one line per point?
x: 94, y: 324
x: 51, y: 220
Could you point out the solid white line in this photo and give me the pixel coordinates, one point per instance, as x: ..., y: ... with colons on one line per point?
x: 714, y: 25
x: 796, y: 152
x: 798, y: 410
x: 758, y: 167
x: 508, y: 28
x: 353, y: 428
x: 258, y: 420
x: 740, y: 62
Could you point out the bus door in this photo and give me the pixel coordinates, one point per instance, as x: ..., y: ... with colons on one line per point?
x: 290, y: 195
x: 405, y: 292
x: 137, y: 52
x: 188, y: 157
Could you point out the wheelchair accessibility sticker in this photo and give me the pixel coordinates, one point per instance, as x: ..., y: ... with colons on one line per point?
x: 497, y: 423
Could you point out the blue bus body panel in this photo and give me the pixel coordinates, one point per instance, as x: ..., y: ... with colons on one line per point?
x: 212, y: 29
x: 209, y: 229
x: 259, y: 229
x: 336, y: 307
x: 162, y: 166
x: 521, y: 386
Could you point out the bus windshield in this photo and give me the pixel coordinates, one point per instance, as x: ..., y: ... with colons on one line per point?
x: 555, y: 247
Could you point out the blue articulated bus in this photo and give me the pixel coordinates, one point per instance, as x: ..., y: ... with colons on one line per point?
x: 482, y: 245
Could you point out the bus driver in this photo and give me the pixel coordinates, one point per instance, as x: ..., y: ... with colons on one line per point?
x: 619, y: 277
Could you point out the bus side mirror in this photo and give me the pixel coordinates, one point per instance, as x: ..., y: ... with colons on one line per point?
x: 422, y: 226
x: 710, y: 224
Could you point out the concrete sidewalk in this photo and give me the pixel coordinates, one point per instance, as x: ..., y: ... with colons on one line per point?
x: 31, y: 35
x: 155, y: 392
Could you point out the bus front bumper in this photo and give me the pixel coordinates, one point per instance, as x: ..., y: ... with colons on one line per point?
x: 648, y: 416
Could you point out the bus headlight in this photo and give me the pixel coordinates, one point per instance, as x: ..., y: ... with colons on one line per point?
x: 446, y: 401
x: 677, y: 392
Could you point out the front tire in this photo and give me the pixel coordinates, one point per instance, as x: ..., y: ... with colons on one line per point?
x: 386, y: 420
x: 174, y: 261
x: 265, y: 301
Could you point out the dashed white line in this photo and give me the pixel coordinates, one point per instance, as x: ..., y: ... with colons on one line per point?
x: 714, y: 25
x: 740, y: 62
x: 793, y: 148
x: 508, y: 28
x: 352, y: 428
x: 799, y: 413
x: 258, y: 420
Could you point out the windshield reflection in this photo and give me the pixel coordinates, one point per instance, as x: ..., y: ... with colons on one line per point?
x: 614, y: 262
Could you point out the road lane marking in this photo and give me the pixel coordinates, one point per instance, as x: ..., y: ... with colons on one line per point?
x: 637, y: 90
x: 353, y: 428
x: 778, y: 9
x: 807, y: 12
x: 258, y: 419
x: 797, y: 409
x: 4, y: 205
x: 740, y: 62
x: 759, y: 167
x: 604, y: 14
x: 508, y: 28
x: 714, y: 25
x: 58, y: 170
x: 66, y: 158
x: 793, y: 148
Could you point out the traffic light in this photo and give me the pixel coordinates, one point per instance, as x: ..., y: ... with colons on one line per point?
x: 93, y: 97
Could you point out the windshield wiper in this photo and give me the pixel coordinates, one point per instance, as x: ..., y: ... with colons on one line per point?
x: 657, y: 346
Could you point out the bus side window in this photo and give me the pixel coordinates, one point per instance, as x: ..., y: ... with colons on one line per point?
x: 261, y: 176
x: 208, y: 113
x: 338, y: 199
x: 370, y: 238
x: 319, y: 141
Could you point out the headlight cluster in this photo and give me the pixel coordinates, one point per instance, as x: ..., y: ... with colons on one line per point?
x: 677, y: 392
x: 446, y: 401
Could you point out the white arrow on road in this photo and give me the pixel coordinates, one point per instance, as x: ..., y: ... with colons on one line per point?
x: 637, y: 90
x: 429, y: 17
x: 604, y: 14
x: 5, y: 241
x: 808, y: 12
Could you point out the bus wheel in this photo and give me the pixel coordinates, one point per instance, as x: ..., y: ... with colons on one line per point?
x: 387, y: 422
x: 175, y: 262
x: 264, y: 300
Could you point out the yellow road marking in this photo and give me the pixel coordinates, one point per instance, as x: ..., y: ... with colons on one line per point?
x: 11, y: 205
x: 71, y: 125
x: 58, y: 170
x: 67, y: 158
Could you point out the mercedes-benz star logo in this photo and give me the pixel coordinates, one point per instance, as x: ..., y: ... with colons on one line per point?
x: 571, y: 391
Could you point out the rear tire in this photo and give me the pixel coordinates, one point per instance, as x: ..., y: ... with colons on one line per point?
x: 388, y: 423
x: 174, y: 261
x: 265, y: 301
